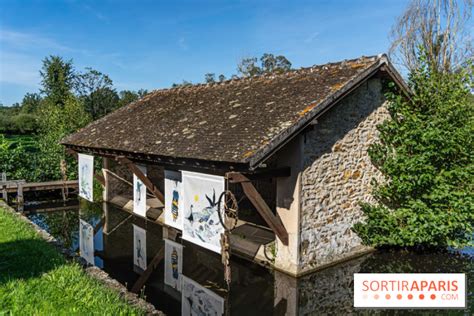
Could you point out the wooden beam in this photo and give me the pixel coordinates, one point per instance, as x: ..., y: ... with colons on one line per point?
x: 270, y: 173
x: 146, y: 181
x: 263, y: 209
x: 149, y: 270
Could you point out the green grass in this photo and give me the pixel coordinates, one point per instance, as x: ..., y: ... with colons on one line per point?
x: 35, y: 279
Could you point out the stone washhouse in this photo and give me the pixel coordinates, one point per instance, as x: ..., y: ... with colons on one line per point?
x: 292, y: 147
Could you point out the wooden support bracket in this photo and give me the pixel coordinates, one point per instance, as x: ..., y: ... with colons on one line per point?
x: 149, y: 270
x: 263, y: 209
x: 146, y: 181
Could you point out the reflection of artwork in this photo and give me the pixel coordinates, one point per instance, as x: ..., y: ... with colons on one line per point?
x: 139, y: 247
x: 197, y: 300
x: 86, y: 173
x: 86, y: 241
x: 201, y: 223
x: 139, y: 194
x: 173, y: 264
x: 173, y: 197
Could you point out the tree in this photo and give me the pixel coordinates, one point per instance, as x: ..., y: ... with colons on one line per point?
x: 31, y: 103
x: 269, y: 63
x: 210, y: 78
x: 128, y: 96
x: 55, y: 124
x: 248, y: 67
x: 426, y: 154
x: 57, y: 79
x: 96, y: 91
x: 439, y: 28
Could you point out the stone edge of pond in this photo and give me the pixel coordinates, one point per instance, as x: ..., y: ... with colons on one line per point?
x: 92, y: 271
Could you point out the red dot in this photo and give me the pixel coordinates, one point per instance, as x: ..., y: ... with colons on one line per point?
x: 433, y: 296
x: 376, y: 296
x: 422, y: 296
x: 410, y: 296
x: 387, y: 296
x: 399, y: 296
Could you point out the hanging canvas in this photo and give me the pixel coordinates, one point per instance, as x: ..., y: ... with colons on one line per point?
x: 139, y: 247
x: 139, y: 194
x: 198, y: 300
x: 201, y: 223
x: 86, y: 174
x: 173, y: 199
x: 173, y: 264
x: 86, y: 241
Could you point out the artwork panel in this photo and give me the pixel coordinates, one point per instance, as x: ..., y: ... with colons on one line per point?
x: 139, y: 247
x: 173, y: 264
x: 86, y: 176
x: 173, y: 199
x: 86, y: 241
x: 201, y: 223
x: 198, y: 300
x: 139, y: 194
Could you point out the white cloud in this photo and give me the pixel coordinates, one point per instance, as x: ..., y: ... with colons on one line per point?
x: 19, y: 69
x: 27, y: 40
x: 182, y: 43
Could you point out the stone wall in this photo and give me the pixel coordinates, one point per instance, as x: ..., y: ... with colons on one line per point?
x: 336, y: 176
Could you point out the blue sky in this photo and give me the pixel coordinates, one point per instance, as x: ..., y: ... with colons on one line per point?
x: 151, y: 44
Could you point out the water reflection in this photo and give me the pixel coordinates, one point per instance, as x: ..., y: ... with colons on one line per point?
x: 181, y: 278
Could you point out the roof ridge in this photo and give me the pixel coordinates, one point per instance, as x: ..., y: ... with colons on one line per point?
x: 260, y: 76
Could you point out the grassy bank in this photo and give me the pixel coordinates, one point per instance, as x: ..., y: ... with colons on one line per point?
x: 36, y: 279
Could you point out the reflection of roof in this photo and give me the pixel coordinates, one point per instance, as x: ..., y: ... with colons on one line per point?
x: 237, y: 121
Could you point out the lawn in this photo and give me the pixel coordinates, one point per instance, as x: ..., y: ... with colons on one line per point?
x: 36, y: 279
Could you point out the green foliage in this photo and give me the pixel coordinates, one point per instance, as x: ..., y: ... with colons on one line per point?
x: 426, y: 153
x: 35, y: 279
x: 269, y: 63
x: 57, y: 79
x: 31, y: 103
x: 18, y: 157
x: 56, y: 123
x: 97, y: 93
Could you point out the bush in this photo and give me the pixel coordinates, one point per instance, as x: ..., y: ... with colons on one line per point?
x: 426, y: 153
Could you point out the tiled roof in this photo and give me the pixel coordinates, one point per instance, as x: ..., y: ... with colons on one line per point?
x: 235, y: 121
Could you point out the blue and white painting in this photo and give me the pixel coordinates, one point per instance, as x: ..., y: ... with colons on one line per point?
x: 86, y: 241
x: 139, y: 194
x: 139, y: 247
x: 173, y: 199
x: 198, y: 300
x: 201, y: 223
x: 173, y: 264
x: 86, y: 174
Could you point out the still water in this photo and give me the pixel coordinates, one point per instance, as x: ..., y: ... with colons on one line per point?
x: 254, y: 290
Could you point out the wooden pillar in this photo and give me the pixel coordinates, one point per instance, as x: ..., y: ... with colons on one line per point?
x: 106, y: 166
x: 4, y: 183
x: 19, y: 195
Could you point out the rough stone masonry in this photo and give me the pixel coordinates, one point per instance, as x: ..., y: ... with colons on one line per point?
x: 336, y: 177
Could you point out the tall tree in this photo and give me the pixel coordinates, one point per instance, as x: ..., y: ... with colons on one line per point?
x: 57, y: 79
x: 269, y: 63
x: 440, y: 28
x: 96, y: 91
x: 426, y: 154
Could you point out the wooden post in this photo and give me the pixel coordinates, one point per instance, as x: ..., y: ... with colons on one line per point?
x: 19, y: 195
x: 263, y: 209
x: 106, y: 166
x: 4, y: 191
x: 146, y: 181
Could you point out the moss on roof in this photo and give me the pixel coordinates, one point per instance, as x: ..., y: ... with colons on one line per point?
x: 226, y: 122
